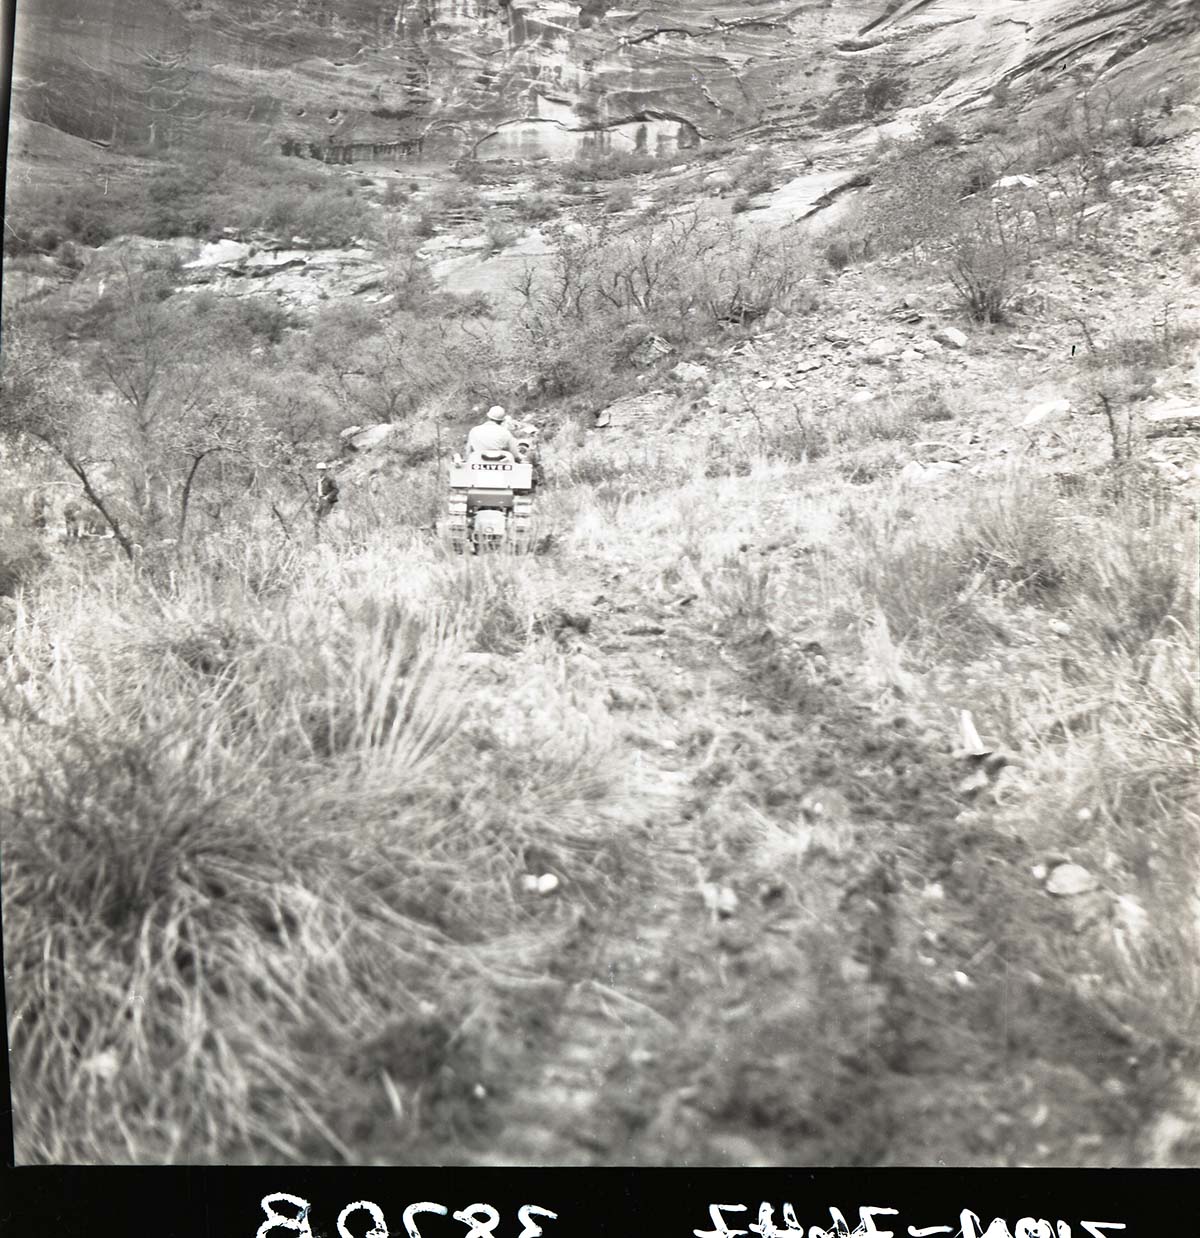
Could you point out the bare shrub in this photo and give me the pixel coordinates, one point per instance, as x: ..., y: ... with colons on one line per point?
x: 758, y: 172
x: 537, y: 208
x: 170, y: 420
x: 882, y: 93
x: 1118, y: 374
x: 500, y: 235
x: 679, y: 278
x: 983, y: 269
x: 617, y: 200
x: 385, y: 369
x: 608, y: 166
x: 935, y: 132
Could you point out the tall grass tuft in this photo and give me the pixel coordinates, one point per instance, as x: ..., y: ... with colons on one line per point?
x: 259, y: 848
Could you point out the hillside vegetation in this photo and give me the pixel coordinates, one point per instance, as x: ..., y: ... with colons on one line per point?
x: 849, y: 701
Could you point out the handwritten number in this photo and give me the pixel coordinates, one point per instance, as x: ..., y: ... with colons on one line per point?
x: 531, y: 1228
x: 481, y: 1218
x: 765, y: 1225
x: 378, y: 1230
x: 720, y: 1227
x: 1027, y: 1227
x: 410, y: 1226
x: 297, y: 1224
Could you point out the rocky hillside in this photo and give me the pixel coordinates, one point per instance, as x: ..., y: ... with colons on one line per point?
x: 501, y: 78
x: 821, y: 791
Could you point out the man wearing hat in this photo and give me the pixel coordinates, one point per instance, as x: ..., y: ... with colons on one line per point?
x: 492, y: 435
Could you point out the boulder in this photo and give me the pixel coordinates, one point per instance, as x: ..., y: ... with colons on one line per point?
x: 218, y: 253
x: 1068, y: 880
x: 1016, y: 182
x: 650, y: 350
x: 690, y: 372
x: 914, y: 473
x: 635, y: 411
x: 1048, y: 410
x: 1172, y: 416
x: 878, y: 352
x: 951, y: 336
x: 358, y: 439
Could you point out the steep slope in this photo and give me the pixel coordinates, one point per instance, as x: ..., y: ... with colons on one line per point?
x: 497, y: 78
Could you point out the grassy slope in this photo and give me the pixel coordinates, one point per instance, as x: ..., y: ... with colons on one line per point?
x: 278, y: 809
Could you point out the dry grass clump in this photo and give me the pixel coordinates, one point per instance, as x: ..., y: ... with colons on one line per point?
x: 1110, y: 769
x: 259, y: 851
x: 1070, y: 629
x: 937, y: 571
x: 22, y: 557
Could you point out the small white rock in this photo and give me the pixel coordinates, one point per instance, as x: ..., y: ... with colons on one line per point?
x: 878, y: 351
x: 546, y: 883
x: 103, y: 1065
x: 1046, y: 411
x: 951, y: 336
x: 1068, y: 880
x: 719, y: 899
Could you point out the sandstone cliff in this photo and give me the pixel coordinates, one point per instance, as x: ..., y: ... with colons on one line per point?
x: 497, y: 78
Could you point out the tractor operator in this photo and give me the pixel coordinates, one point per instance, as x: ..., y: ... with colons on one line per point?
x: 492, y: 435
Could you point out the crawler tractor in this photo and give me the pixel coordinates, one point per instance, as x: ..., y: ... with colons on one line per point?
x: 490, y: 506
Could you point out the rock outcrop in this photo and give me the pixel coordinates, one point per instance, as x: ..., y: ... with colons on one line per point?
x: 346, y: 80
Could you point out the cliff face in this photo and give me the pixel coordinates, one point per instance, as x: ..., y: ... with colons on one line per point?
x: 525, y: 77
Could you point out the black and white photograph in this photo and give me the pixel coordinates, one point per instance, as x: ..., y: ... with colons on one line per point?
x: 601, y: 586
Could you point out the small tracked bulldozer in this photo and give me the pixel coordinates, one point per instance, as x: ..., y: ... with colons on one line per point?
x: 490, y: 506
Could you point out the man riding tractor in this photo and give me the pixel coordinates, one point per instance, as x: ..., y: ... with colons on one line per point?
x: 490, y: 504
x: 492, y: 435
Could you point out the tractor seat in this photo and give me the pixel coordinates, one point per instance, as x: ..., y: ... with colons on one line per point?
x: 495, y: 457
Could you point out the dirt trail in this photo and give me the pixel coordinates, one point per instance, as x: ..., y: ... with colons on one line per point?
x: 864, y: 1002
x: 624, y: 1075
x: 561, y: 1111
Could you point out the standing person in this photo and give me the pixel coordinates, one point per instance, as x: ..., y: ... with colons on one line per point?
x: 492, y: 435
x: 527, y: 453
x: 40, y: 511
x: 327, y: 491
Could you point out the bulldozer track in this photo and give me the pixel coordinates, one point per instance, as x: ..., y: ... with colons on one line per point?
x: 566, y: 1110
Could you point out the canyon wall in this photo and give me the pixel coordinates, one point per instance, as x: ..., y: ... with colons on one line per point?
x: 518, y: 78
